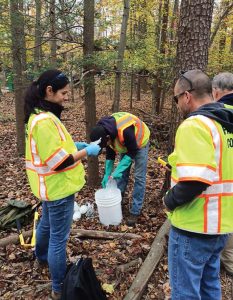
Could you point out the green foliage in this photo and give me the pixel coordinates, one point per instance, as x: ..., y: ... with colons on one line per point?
x: 219, y: 62
x: 222, y: 59
x: 5, y: 42
x: 142, y: 39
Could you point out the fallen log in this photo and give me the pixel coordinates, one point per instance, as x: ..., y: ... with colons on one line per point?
x: 103, y: 234
x: 128, y: 266
x: 14, y: 239
x: 156, y: 252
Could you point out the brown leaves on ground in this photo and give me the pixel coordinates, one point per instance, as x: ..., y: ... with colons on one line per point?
x: 19, y: 278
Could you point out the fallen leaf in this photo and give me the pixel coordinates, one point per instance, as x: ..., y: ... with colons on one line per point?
x: 12, y: 256
x: 108, y: 288
x: 124, y: 228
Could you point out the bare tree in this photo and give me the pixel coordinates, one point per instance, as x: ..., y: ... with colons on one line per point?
x: 121, y: 50
x: 53, y: 43
x: 19, y: 65
x: 157, y: 82
x: 173, y: 26
x: 89, y: 83
x: 38, y: 40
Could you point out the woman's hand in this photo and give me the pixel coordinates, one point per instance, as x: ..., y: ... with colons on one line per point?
x: 81, y: 145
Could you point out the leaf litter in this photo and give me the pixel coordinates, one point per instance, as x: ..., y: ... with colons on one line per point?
x: 19, y: 279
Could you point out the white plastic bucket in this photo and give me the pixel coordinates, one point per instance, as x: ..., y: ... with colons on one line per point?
x: 109, y: 206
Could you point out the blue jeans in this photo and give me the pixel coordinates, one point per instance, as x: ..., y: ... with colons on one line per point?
x: 140, y: 168
x: 194, y: 266
x: 51, y: 236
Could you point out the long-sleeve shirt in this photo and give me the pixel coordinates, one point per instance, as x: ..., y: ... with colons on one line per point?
x: 109, y: 123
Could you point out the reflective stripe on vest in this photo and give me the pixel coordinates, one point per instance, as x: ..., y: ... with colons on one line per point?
x: 221, y: 189
x: 212, y: 213
x: 35, y: 157
x: 42, y: 188
x: 212, y: 206
x: 127, y: 121
x: 45, y: 170
x: 52, y: 162
x: 57, y: 158
x: 203, y: 173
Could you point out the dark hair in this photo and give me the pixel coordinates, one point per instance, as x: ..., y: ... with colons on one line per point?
x: 37, y: 90
x: 98, y: 132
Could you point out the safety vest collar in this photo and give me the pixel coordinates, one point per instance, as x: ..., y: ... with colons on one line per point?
x: 46, y: 115
x: 125, y: 122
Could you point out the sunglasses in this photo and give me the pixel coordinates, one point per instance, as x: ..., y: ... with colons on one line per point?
x: 176, y: 97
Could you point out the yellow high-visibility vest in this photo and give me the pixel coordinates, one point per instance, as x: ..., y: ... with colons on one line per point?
x: 204, y: 152
x: 48, y: 144
x: 125, y: 120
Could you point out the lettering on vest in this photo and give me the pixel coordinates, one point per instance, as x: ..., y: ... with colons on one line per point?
x: 229, y: 140
x: 225, y: 131
x: 230, y: 143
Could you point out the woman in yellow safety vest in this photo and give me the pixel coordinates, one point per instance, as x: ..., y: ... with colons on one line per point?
x: 54, y: 169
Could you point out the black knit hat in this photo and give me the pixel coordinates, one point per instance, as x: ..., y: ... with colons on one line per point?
x: 98, y: 132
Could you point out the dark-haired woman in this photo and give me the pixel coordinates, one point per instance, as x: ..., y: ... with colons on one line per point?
x: 54, y: 169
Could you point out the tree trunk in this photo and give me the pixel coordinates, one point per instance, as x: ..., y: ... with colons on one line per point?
x: 173, y: 26
x: 53, y: 43
x: 158, y: 25
x: 23, y: 42
x: 138, y: 87
x: 142, y: 21
x: 194, y: 34
x: 157, y: 84
x: 19, y: 63
x: 156, y: 92
x: 131, y: 90
x: 89, y: 84
x: 38, y: 48
x: 193, y: 45
x: 121, y: 50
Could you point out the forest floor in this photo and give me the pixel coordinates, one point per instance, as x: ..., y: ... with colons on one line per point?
x: 18, y: 278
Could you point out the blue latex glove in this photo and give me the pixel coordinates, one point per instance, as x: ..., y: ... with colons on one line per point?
x: 108, y: 170
x: 93, y: 150
x: 81, y: 145
x: 124, y: 164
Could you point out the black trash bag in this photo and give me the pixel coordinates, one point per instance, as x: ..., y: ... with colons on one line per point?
x: 81, y: 282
